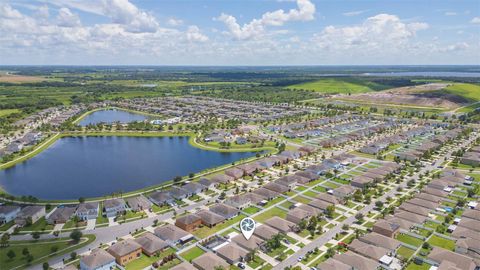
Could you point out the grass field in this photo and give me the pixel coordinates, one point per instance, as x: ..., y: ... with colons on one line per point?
x: 343, y: 85
x: 8, y: 111
x: 40, y: 250
x: 441, y: 242
x: 466, y: 90
x: 192, y: 253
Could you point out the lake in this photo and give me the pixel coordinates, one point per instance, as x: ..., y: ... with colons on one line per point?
x: 111, y: 116
x: 76, y: 167
x: 425, y: 74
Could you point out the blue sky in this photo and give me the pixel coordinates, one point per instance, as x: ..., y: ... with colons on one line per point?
x: 239, y: 32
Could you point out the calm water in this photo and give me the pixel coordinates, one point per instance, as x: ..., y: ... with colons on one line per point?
x: 111, y: 116
x: 425, y: 74
x: 76, y: 167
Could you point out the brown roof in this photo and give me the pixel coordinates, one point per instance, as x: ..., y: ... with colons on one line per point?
x: 231, y: 252
x: 184, y: 266
x: 170, y: 232
x: 357, y: 261
x: 265, y: 232
x: 209, y: 217
x: 280, y: 224
x: 463, y: 262
x: 469, y: 223
x: 188, y: 219
x: 151, y: 243
x: 123, y: 248
x: 332, y: 264
x: 97, y: 258
x: 381, y: 241
x: 252, y: 243
x: 416, y: 209
x: 209, y: 261
x: 368, y: 250
x: 410, y: 217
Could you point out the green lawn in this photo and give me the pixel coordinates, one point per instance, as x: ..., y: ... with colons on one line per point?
x: 6, y: 226
x: 40, y: 225
x: 274, y: 201
x: 275, y: 211
x: 206, y: 231
x: 441, y: 242
x: 466, y: 90
x: 256, y: 262
x: 192, y: 253
x: 40, y: 250
x: 407, y: 239
x: 251, y: 210
x: 413, y: 266
x: 145, y: 261
x: 8, y: 111
x: 341, y: 85
x: 405, y: 252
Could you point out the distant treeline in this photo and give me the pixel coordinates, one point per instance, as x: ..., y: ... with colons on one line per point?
x: 262, y: 94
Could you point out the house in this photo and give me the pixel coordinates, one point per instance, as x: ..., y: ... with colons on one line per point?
x: 86, y: 211
x: 265, y: 232
x: 151, y: 244
x: 297, y: 214
x: 139, y: 203
x: 428, y: 197
x: 61, y: 215
x: 412, y: 217
x: 234, y: 172
x: 472, y: 214
x: 281, y: 224
x: 343, y: 191
x: 29, y: 215
x: 267, y: 194
x: 8, y: 213
x: 332, y: 264
x: 381, y: 241
x: 311, y: 176
x: 361, y: 181
x: 173, y: 234
x: 322, y: 205
x: 239, y: 201
x: 402, y: 223
x: 113, y: 207
x: 356, y: 261
x: 416, y: 209
x: 193, y: 188
x: 98, y: 259
x: 435, y: 192
x: 231, y: 253
x: 461, y: 232
x: 184, y: 266
x: 188, y: 222
x: 161, y: 198
x: 468, y: 247
x: 469, y: 223
x: 252, y: 243
x: 125, y: 251
x: 209, y: 261
x: 206, y: 183
x: 222, y: 179
x: 330, y: 198
x: 276, y: 187
x: 423, y: 203
x: 248, y: 169
x: 209, y: 218
x: 386, y: 228
x: 178, y: 193
x: 224, y: 210
x: 367, y: 250
x: 439, y: 255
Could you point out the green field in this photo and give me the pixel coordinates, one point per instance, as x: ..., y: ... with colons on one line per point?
x: 466, y: 90
x: 344, y: 85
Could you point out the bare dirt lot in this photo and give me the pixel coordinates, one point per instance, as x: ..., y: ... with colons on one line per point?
x: 426, y: 95
x: 5, y: 77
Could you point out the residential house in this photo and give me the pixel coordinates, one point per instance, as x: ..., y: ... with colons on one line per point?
x: 8, y: 213
x: 343, y: 191
x: 61, y: 215
x: 356, y: 261
x: 125, y: 251
x: 206, y: 183
x: 265, y: 232
x: 332, y: 264
x: 381, y: 241
x: 209, y: 218
x: 193, y: 188
x: 113, y: 207
x: 139, y: 203
x: 178, y: 193
x: 173, y: 234
x: 252, y: 243
x: 297, y: 214
x: 184, y: 266
x: 459, y: 261
x: 277, y: 187
x: 267, y: 194
x: 161, y: 198
x: 151, y: 244
x: 368, y: 250
x: 281, y: 224
x: 386, y: 228
x: 222, y: 179
x: 469, y: 247
x: 231, y: 253
x: 87, y: 210
x: 224, y: 210
x: 29, y: 215
x: 98, y: 259
x: 209, y: 261
x: 234, y: 172
x: 189, y: 222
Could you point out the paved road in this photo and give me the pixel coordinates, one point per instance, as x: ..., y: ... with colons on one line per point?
x: 323, y: 239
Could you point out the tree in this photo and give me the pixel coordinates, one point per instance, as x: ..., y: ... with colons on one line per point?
x: 76, y: 235
x: 81, y: 200
x: 330, y: 252
x: 177, y: 179
x: 35, y: 235
x: 25, y: 251
x: 45, y: 266
x: 54, y: 249
x: 73, y: 255
x: 345, y: 227
x: 11, y: 254
x: 359, y: 217
x: 330, y: 210
x: 379, y: 204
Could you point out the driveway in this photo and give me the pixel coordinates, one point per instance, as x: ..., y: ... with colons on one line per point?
x: 91, y: 224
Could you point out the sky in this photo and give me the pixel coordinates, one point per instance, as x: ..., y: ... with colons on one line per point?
x: 239, y: 32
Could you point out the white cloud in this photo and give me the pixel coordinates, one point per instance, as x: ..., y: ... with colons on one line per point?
x: 383, y: 31
x: 354, y: 13
x: 174, y: 22
x: 475, y: 20
x: 193, y: 34
x: 256, y: 27
x: 66, y: 18
x: 450, y: 13
x: 125, y: 13
x: 459, y: 46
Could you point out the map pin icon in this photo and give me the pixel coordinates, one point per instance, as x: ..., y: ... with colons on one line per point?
x: 247, y: 226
